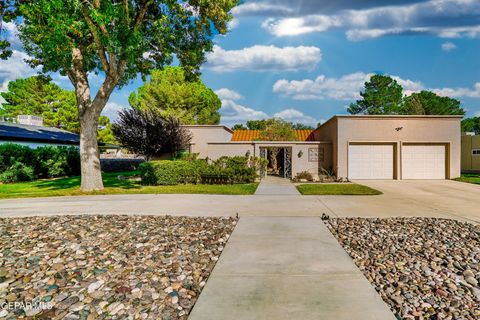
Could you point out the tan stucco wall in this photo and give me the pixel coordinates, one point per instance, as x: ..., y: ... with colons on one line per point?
x: 329, y: 132
x: 216, y: 150
x: 469, y: 161
x: 414, y: 130
x: 202, y: 135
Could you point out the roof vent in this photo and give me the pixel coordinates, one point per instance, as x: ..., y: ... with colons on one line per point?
x: 30, y: 120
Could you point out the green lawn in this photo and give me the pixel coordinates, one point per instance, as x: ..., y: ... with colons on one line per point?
x: 470, y: 178
x: 325, y: 189
x: 70, y: 187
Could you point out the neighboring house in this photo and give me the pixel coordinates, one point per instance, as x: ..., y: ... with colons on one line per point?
x: 471, y: 153
x: 354, y: 147
x: 29, y: 131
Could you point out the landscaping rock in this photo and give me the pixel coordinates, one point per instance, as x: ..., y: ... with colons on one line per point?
x: 108, y: 267
x: 423, y: 268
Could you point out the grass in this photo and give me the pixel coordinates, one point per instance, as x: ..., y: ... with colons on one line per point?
x: 470, y: 178
x: 325, y: 189
x: 70, y: 187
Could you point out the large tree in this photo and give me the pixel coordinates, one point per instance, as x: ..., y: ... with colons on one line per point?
x: 471, y: 125
x: 39, y: 96
x: 429, y: 103
x: 169, y: 93
x: 117, y: 39
x: 145, y: 132
x: 382, y: 95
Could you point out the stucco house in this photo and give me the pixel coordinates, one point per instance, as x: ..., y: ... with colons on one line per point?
x: 353, y: 146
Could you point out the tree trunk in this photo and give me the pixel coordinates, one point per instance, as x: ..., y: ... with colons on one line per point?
x: 89, y: 155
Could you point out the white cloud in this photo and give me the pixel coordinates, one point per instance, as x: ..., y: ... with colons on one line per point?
x: 444, y: 18
x: 301, y: 25
x: 232, y: 113
x: 264, y: 58
x: 111, y: 110
x: 14, y: 68
x: 448, y: 46
x: 346, y: 87
x: 227, y: 94
x: 477, y: 114
x: 296, y: 116
x: 460, y: 92
x: 255, y: 8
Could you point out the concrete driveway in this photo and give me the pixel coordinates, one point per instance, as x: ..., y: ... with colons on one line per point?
x: 429, y: 198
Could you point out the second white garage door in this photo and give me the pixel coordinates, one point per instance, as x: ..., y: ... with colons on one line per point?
x: 423, y: 162
x: 370, y: 162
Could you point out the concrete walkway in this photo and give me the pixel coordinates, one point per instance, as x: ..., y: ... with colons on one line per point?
x: 276, y: 186
x: 286, y: 268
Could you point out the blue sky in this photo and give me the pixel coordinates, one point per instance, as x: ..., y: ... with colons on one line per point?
x: 305, y: 61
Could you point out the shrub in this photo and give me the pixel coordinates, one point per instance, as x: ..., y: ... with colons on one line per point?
x: 11, y: 153
x: 304, y: 175
x: 55, y: 162
x: 169, y: 172
x: 18, y: 172
x: 223, y: 170
x: 46, y: 161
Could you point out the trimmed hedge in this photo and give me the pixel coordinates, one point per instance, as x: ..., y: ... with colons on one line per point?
x: 223, y: 170
x: 21, y: 163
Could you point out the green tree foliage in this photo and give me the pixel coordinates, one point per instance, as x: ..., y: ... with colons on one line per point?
x: 239, y: 126
x: 382, y: 95
x: 39, y: 96
x: 302, y: 126
x: 257, y: 124
x: 117, y: 40
x: 277, y: 130
x: 169, y: 93
x: 471, y: 125
x: 429, y: 103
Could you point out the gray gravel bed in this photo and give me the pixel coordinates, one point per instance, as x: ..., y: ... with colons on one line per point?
x: 423, y: 268
x: 106, y: 267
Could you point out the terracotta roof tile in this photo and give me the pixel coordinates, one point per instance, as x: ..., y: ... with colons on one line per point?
x: 252, y: 135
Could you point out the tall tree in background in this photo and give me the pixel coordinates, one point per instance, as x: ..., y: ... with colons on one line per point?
x: 276, y: 130
x: 382, y: 95
x: 39, y: 96
x: 429, y: 103
x: 169, y: 93
x: 471, y: 125
x: 119, y: 40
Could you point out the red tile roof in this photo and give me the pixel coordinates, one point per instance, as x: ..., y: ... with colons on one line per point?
x: 252, y: 135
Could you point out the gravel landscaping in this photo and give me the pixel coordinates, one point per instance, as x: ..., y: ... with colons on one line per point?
x: 106, y: 267
x: 423, y: 268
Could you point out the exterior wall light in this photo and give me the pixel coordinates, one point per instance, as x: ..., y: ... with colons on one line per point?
x: 399, y: 128
x: 300, y: 153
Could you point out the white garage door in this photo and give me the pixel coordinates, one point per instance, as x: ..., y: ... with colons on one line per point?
x: 370, y: 162
x: 423, y: 162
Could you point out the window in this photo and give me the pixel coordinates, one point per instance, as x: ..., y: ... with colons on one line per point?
x: 476, y: 152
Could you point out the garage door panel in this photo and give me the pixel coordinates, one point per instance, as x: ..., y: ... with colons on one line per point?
x: 423, y: 162
x: 370, y: 162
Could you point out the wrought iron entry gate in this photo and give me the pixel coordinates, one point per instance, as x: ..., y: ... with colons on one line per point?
x: 287, y: 162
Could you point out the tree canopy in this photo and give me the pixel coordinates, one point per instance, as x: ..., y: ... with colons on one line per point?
x: 170, y: 93
x: 39, y: 96
x: 383, y: 95
x: 262, y: 125
x: 471, y: 125
x: 116, y: 40
x: 429, y: 103
x: 277, y: 130
x: 145, y: 132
